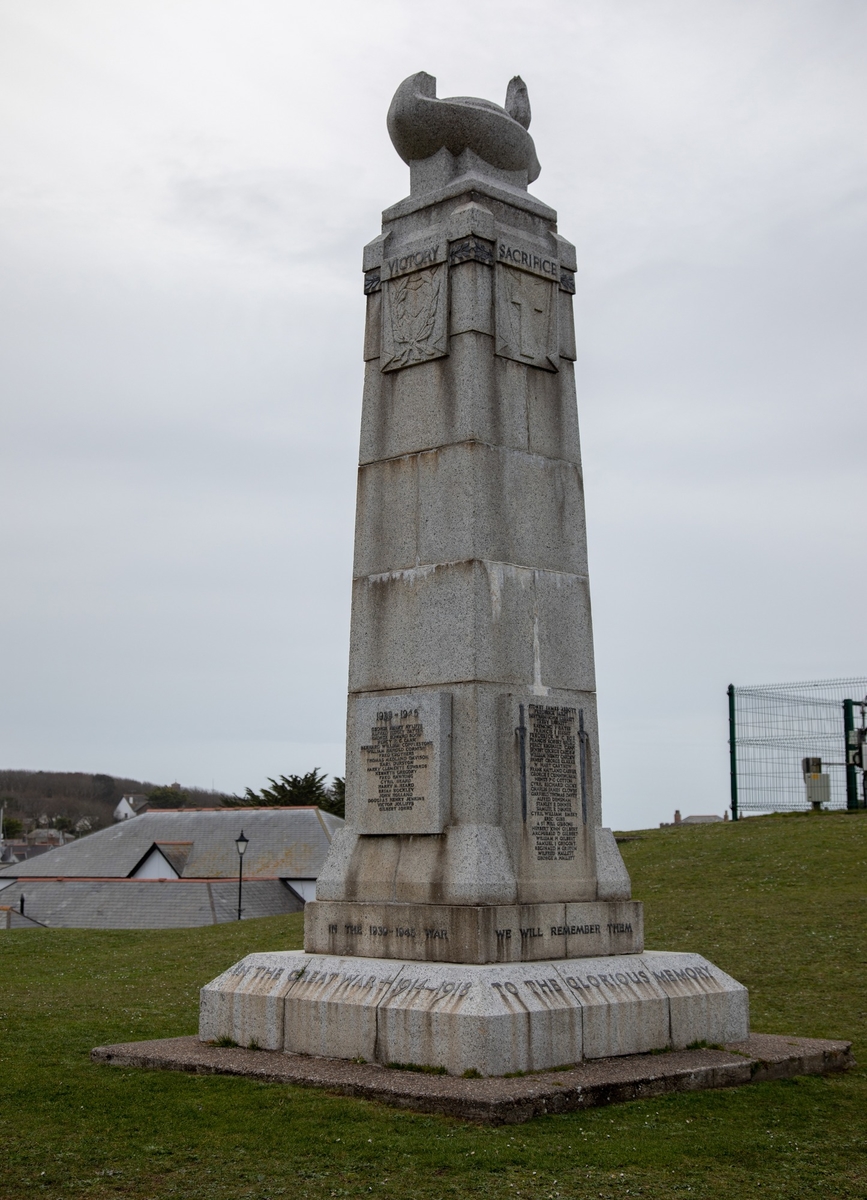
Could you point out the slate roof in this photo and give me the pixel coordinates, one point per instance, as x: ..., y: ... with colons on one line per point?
x: 200, y: 843
x: 145, y: 904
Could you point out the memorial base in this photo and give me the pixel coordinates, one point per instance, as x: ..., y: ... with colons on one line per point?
x: 492, y: 1019
x: 464, y: 933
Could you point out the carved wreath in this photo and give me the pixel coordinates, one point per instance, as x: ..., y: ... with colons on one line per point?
x: 414, y: 313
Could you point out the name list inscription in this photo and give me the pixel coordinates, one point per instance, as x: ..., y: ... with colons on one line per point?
x: 396, y: 761
x: 552, y: 782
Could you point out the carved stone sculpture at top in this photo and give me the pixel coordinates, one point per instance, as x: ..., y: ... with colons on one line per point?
x: 422, y: 126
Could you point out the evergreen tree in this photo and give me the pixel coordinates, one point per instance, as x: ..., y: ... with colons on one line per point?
x: 293, y: 791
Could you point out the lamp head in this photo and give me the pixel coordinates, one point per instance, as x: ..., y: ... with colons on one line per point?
x: 241, y: 842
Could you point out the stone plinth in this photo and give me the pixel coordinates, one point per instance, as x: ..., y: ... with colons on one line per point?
x: 494, y: 1019
x: 488, y: 933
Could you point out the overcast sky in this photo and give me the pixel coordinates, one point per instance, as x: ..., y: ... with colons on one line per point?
x: 186, y: 186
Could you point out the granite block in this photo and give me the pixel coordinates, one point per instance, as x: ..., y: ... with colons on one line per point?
x: 604, y: 928
x: 439, y: 403
x: 568, y: 349
x: 447, y: 505
x: 492, y: 1020
x: 625, y: 1010
x: 410, y: 932
x: 331, y: 882
x: 373, y: 328
x: 332, y: 1007
x: 495, y: 1019
x: 468, y: 220
x: 386, y: 516
x: 477, y: 868
x: 460, y: 622
x: 471, y: 299
x: 371, y: 870
x: 501, y: 505
x: 613, y: 881
x: 468, y: 933
x: 706, y: 1005
x: 552, y: 414
x: 245, y: 1003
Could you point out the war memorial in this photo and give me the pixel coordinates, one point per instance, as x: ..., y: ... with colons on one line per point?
x: 473, y: 916
x: 473, y: 913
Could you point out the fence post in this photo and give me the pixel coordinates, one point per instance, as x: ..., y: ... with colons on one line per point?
x: 733, y: 753
x: 851, y: 769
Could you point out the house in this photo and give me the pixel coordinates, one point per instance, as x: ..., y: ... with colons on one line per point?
x: 697, y: 820
x: 130, y: 806
x: 176, y: 868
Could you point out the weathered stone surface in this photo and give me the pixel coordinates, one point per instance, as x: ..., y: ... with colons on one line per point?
x: 446, y: 505
x: 756, y: 1059
x: 439, y: 624
x: 421, y: 127
x: 485, y: 1021
x: 493, y: 400
x: 625, y: 1010
x: 473, y: 914
x: 705, y: 1004
x: 414, y: 318
x: 527, y: 312
x: 484, y: 933
x: 612, y: 927
x: 496, y: 1019
x: 332, y: 1006
x: 612, y: 878
x: 245, y: 1003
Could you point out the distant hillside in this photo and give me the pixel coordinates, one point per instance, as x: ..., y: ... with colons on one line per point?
x: 29, y: 795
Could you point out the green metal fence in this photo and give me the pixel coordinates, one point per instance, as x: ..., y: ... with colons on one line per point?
x: 774, y: 728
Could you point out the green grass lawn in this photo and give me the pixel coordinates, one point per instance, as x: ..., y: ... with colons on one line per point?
x: 779, y: 902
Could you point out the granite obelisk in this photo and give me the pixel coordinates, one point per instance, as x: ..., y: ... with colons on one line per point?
x: 473, y: 913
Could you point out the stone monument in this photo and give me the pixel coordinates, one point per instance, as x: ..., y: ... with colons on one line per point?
x: 473, y: 913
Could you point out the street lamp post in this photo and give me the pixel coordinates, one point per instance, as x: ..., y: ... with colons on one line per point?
x: 241, y: 844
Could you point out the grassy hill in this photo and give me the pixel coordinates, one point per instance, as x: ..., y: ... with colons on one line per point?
x: 779, y: 902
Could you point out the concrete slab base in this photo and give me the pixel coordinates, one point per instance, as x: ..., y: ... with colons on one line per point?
x: 493, y: 1019
x: 756, y: 1059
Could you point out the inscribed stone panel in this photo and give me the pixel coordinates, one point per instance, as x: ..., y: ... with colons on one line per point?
x: 551, y: 780
x: 526, y: 318
x: 403, y: 745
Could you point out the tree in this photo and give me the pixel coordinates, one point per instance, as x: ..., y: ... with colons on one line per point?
x: 167, y: 797
x: 12, y: 827
x: 292, y: 791
x: 336, y: 797
x: 103, y: 788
